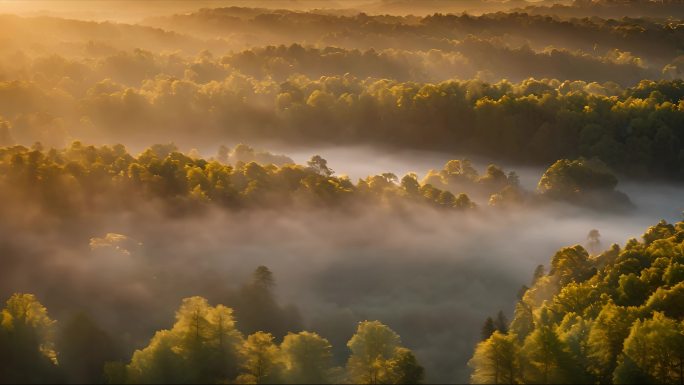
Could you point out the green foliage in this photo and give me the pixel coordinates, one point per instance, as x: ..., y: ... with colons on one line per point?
x: 611, y: 318
x: 653, y: 351
x: 262, y: 360
x: 633, y: 130
x: 307, y: 358
x: 588, y: 182
x: 566, y: 178
x: 27, y: 352
x: 542, y: 353
x: 405, y: 369
x: 64, y: 181
x: 496, y: 360
x: 606, y: 338
x: 571, y: 264
x: 203, y: 346
x: 378, y: 358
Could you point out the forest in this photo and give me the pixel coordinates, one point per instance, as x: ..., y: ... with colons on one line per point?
x: 204, y: 345
x: 616, y: 317
x: 341, y: 191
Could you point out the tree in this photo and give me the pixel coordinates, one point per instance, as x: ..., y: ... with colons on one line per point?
x: 571, y: 264
x: 377, y: 356
x: 606, y: 338
x: 566, y: 178
x: 27, y: 352
x: 501, y: 322
x: 573, y: 332
x: 320, y: 165
x: 594, y: 241
x: 159, y: 362
x: 307, y: 357
x: 487, y: 329
x: 538, y: 273
x: 257, y: 309
x: 543, y: 352
x: 203, y: 346
x: 585, y: 182
x: 84, y: 348
x: 496, y: 360
x: 654, y: 350
x: 669, y: 301
x: 410, y: 185
x: 523, y: 320
x: 262, y: 363
x: 405, y: 369
x: 592, y: 319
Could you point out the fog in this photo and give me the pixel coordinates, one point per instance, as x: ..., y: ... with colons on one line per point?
x: 361, y: 161
x: 387, y: 90
x: 133, y: 11
x: 431, y: 275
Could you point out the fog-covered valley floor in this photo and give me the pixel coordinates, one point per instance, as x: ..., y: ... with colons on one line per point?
x: 410, y: 162
x: 431, y: 275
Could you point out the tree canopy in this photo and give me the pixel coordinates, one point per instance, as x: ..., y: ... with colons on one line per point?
x: 609, y: 318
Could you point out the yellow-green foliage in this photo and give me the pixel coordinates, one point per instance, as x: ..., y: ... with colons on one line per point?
x: 307, y: 358
x: 27, y: 352
x: 203, y: 346
x: 66, y: 181
x: 378, y: 358
x: 616, y: 317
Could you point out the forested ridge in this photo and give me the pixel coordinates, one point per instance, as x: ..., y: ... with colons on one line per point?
x: 66, y: 182
x: 614, y: 317
x: 400, y: 165
x: 510, y: 86
x: 636, y: 131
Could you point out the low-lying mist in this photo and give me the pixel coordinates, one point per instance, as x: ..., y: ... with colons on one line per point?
x: 431, y: 275
x: 379, y: 89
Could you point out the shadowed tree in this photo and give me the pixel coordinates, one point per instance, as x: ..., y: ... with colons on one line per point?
x: 487, y: 329
x: 405, y: 369
x: 256, y: 308
x: 594, y: 241
x: 83, y: 350
x: 538, y: 273
x: 501, y: 323
x: 320, y: 165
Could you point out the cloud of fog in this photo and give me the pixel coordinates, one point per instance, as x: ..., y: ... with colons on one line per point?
x: 433, y: 276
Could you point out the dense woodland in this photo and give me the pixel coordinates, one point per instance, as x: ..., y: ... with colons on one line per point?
x: 204, y: 345
x: 510, y: 86
x: 494, y: 132
x: 616, y: 317
x: 636, y: 131
x: 77, y: 181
